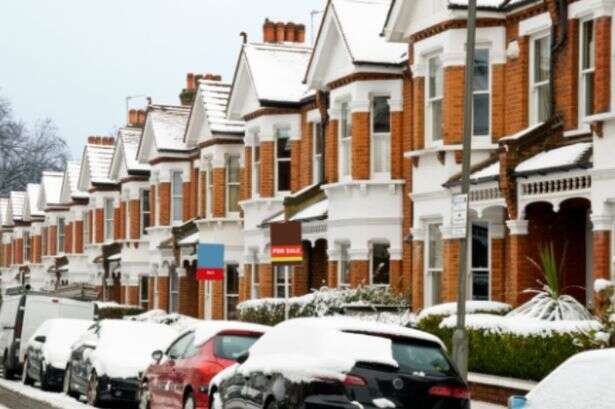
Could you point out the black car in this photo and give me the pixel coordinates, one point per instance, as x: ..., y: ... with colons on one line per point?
x: 423, y: 378
x: 107, y: 362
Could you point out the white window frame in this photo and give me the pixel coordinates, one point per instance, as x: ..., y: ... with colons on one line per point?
x: 487, y: 269
x: 343, y: 263
x: 534, y: 93
x: 380, y: 137
x: 61, y: 234
x: 287, y: 284
x: 228, y: 295
x: 278, y: 160
x: 179, y: 197
x: 143, y: 193
x: 584, y: 72
x: 431, y: 101
x: 317, y: 158
x: 484, y: 92
x: 108, y: 214
x: 236, y: 184
x: 256, y: 167
x: 371, y: 263
x: 429, y: 271
x: 345, y: 140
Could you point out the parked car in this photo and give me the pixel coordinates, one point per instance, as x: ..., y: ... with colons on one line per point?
x: 584, y: 381
x: 48, y: 351
x: 109, y: 358
x: 342, y: 363
x: 22, y: 315
x: 179, y: 377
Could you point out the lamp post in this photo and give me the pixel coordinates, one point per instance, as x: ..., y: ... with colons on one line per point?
x: 460, y: 337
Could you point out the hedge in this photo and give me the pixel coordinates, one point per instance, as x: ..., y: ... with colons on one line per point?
x: 118, y: 312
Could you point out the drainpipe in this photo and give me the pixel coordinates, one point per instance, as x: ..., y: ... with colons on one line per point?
x: 323, y: 105
x: 556, y: 46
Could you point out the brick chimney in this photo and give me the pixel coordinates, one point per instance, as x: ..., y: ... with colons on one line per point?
x: 132, y: 117
x: 101, y: 140
x: 140, y: 118
x: 187, y: 95
x: 283, y: 32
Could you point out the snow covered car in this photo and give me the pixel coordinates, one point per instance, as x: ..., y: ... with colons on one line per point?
x: 48, y: 351
x: 108, y: 360
x: 180, y: 377
x: 584, y: 381
x: 342, y: 363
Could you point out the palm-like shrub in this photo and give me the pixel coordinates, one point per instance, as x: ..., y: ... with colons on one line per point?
x: 550, y: 303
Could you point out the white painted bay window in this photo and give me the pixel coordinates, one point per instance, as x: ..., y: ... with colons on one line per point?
x: 282, y: 160
x: 480, y: 261
x: 380, y: 264
x: 317, y: 147
x: 108, y: 211
x: 435, y: 96
x: 345, y: 131
x: 343, y: 267
x: 381, y: 135
x: 231, y: 294
x: 540, y: 71
x: 146, y: 212
x: 481, y: 93
x: 435, y: 265
x: 232, y: 184
x: 587, y: 68
x: 256, y: 167
x: 177, y: 196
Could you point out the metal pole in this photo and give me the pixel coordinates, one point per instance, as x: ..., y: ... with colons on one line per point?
x: 460, y: 338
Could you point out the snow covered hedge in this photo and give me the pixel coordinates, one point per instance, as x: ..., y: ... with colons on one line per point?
x: 324, y: 302
x: 429, y: 319
x: 113, y: 310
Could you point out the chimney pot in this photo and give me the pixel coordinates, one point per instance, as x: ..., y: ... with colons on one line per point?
x: 141, y: 118
x: 300, y: 33
x: 132, y: 117
x: 91, y: 140
x: 98, y: 140
x: 290, y: 32
x: 280, y: 29
x: 190, y: 82
x: 268, y: 31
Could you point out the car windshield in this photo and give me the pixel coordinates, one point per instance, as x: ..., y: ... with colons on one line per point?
x: 415, y: 357
x: 233, y: 346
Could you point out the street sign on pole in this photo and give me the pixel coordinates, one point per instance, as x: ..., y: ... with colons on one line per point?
x: 460, y: 215
x: 210, y: 262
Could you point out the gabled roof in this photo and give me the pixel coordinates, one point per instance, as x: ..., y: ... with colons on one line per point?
x: 17, y: 201
x: 95, y: 164
x: 70, y: 183
x: 51, y: 189
x: 4, y: 204
x: 164, y: 131
x: 208, y: 113
x: 31, y: 208
x: 124, y: 161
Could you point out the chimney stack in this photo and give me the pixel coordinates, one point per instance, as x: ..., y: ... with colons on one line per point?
x: 132, y: 117
x: 268, y: 31
x: 101, y: 140
x: 140, y: 118
x: 187, y: 95
x: 283, y: 32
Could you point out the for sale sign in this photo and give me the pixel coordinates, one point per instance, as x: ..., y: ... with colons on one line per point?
x: 210, y: 262
x: 286, y: 247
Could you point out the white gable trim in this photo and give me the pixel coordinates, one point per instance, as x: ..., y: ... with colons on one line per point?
x: 243, y: 98
x: 198, y: 127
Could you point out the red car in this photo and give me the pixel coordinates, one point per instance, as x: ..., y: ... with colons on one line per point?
x: 179, y: 378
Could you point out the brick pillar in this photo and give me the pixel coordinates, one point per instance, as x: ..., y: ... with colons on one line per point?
x: 133, y: 295
x: 395, y: 277
x: 188, y: 294
x: 246, y: 173
x: 520, y: 271
x: 265, y: 275
x: 359, y: 273
x: 360, y: 146
x: 68, y: 238
x: 53, y: 240
x: 450, y: 274
x: 306, y: 161
x: 36, y: 249
x: 117, y: 223
x: 331, y: 148
x: 301, y: 274
x: 152, y: 205
x: 602, y: 251
x: 201, y: 300
x: 78, y: 230
x: 498, y: 100
x: 164, y: 203
x: 296, y: 164
x: 151, y: 292
x: 498, y: 263
x: 267, y: 169
x: 319, y: 265
x: 100, y: 225
x: 418, y: 113
x: 203, y: 198
x: 91, y: 224
x: 123, y: 217
x: 163, y: 293
x: 516, y: 89
x: 397, y: 158
x: 195, y: 183
x: 332, y: 274
x: 219, y: 205
x: 245, y: 282
x: 452, y: 105
x: 602, y: 77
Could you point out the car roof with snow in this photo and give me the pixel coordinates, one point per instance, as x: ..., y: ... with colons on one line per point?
x: 206, y: 330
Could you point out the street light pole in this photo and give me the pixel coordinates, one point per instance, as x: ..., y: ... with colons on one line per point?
x: 460, y: 338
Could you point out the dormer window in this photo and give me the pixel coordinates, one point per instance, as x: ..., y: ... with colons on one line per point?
x: 282, y: 159
x: 435, y: 94
x: 345, y: 139
x: 540, y: 67
x: 381, y: 135
x: 481, y: 91
x: 587, y: 68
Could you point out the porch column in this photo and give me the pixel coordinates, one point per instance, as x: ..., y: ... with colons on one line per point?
x: 418, y: 272
x: 519, y: 276
x: 498, y: 261
x: 601, y: 248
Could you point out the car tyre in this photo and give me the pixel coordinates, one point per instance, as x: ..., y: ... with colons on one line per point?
x: 7, y: 373
x: 66, y: 384
x: 274, y: 405
x: 25, y: 378
x: 215, y: 401
x: 43, y: 379
x: 189, y: 402
x: 92, y: 395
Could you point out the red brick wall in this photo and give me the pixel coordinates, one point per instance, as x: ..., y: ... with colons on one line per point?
x: 601, y: 254
x: 219, y: 205
x: 100, y: 225
x: 164, y: 204
x: 246, y: 181
x: 78, y: 236
x: 36, y: 249
x: 163, y: 293
x: 91, y: 223
x: 19, y: 251
x: 498, y: 101
x: 189, y: 294
x: 117, y: 223
x: 359, y: 273
x: 520, y: 274
x: 187, y: 201
x: 203, y: 196
x: 331, y: 169
x: 218, y: 300
x: 135, y: 219
x: 450, y: 275
x: 53, y: 240
x: 68, y: 238
x: 567, y: 78
x: 245, y: 282
x: 360, y: 146
x: 418, y: 113
x: 498, y: 263
x: 318, y: 265
x: 452, y: 106
x: 306, y: 161
x: 395, y: 276
x: 201, y: 300
x: 123, y: 234
x: 295, y: 165
x: 132, y: 295
x: 152, y: 204
x: 602, y: 78
x: 267, y: 169
x: 265, y: 276
x: 516, y: 83
x: 332, y: 274
x: 194, y: 202
x: 418, y: 252
x: 397, y: 122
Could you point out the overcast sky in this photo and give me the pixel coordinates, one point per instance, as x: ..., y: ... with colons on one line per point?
x: 75, y: 61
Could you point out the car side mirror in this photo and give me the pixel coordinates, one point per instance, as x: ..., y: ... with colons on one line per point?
x: 41, y: 339
x: 157, y: 356
x: 517, y: 402
x: 243, y: 357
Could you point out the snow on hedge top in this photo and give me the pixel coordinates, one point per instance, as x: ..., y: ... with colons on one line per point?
x: 361, y: 24
x: 560, y: 157
x: 472, y: 307
x: 522, y: 326
x: 278, y: 69
x: 178, y: 322
x: 601, y: 285
x: 204, y: 331
x: 584, y: 381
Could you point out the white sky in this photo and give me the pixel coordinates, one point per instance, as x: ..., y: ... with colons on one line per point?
x: 75, y: 61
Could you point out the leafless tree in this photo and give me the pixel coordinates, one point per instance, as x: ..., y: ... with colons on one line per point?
x: 26, y: 152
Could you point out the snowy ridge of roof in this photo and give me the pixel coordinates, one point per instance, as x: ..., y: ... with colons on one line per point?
x: 18, y: 199
x: 490, y: 171
x: 131, y: 137
x: 565, y: 156
x: 278, y: 70
x: 51, y: 183
x: 361, y: 24
x: 215, y: 96
x: 168, y: 124
x: 32, y: 191
x: 315, y: 211
x: 99, y: 160
x: 73, y: 168
x: 4, y: 205
x: 491, y: 4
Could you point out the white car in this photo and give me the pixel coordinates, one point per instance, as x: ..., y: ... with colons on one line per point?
x: 48, y: 351
x: 585, y: 381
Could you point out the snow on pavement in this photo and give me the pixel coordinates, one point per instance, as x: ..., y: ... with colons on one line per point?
x: 58, y: 400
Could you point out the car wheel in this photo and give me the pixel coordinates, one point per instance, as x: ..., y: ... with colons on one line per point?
x: 92, y: 392
x: 144, y: 396
x: 25, y: 378
x: 6, y: 372
x: 189, y: 402
x: 273, y: 404
x: 216, y: 402
x: 43, y: 378
x: 66, y: 384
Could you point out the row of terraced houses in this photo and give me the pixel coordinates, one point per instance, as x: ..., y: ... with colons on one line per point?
x: 358, y: 138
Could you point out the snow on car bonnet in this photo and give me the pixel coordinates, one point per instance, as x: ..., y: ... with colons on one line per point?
x: 205, y: 331
x: 62, y: 334
x: 306, y: 349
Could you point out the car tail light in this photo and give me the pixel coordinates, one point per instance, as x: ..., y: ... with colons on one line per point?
x: 450, y: 392
x: 354, y: 380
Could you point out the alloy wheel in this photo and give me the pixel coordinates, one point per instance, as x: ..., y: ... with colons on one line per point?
x: 92, y: 395
x: 189, y: 402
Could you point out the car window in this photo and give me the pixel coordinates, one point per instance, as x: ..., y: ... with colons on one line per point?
x: 177, y: 349
x: 415, y: 357
x: 233, y: 346
x: 192, y: 349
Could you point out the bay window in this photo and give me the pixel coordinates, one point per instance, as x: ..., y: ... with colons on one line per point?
x: 317, y: 145
x: 481, y: 93
x: 381, y: 135
x: 231, y: 295
x: 177, y: 196
x: 282, y: 160
x: 345, y: 140
x: 540, y: 67
x: 256, y: 167
x: 283, y: 282
x: 146, y: 212
x: 480, y: 261
x: 435, y: 95
x: 61, y: 234
x: 587, y: 68
x: 435, y: 264
x: 343, y: 268
x: 232, y: 185
x: 380, y: 264
x: 108, y: 216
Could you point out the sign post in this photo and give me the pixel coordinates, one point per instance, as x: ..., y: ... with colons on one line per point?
x: 286, y: 251
x: 210, y: 267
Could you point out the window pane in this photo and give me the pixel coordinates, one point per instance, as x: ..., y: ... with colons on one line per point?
x: 177, y: 183
x: 435, y: 77
x: 481, y: 114
x: 588, y: 84
x: 345, y: 158
x: 480, y: 246
x: 588, y: 52
x: 233, y: 170
x: 233, y: 198
x: 436, y: 120
x: 542, y: 59
x: 344, y: 278
x: 435, y: 246
x: 543, y: 102
x: 480, y: 285
x: 346, y: 121
x: 283, y: 176
x: 283, y: 144
x: 177, y: 209
x: 381, y: 113
x: 380, y: 264
x: 481, y: 70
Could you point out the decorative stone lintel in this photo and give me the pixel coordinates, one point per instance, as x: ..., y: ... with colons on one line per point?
x: 518, y: 227
x: 418, y: 234
x: 602, y: 222
x: 498, y: 231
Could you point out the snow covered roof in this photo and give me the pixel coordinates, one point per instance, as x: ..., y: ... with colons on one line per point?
x: 73, y: 168
x: 124, y: 161
x: 491, y: 4
x: 214, y: 97
x: 315, y: 211
x: 491, y: 171
x: 168, y: 123
x: 4, y: 204
x: 18, y: 200
x: 51, y: 189
x: 32, y: 193
x: 564, y: 158
x: 190, y: 240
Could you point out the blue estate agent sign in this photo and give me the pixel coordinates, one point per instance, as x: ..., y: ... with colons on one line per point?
x: 210, y: 262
